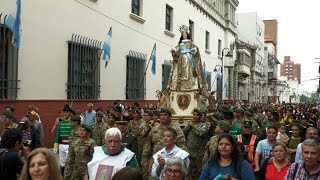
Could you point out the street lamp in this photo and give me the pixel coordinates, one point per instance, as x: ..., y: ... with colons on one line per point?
x: 219, y: 91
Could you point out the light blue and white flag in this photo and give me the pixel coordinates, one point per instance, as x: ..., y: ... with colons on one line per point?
x: 154, y: 60
x: 13, y: 24
x: 107, y: 48
x: 205, y: 74
x: 227, y: 88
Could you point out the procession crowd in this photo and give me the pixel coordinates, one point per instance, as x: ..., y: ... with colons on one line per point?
x: 232, y: 141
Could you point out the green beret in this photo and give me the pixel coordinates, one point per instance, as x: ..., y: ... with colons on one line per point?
x: 75, y: 118
x: 113, y: 107
x: 156, y: 112
x: 88, y: 129
x: 223, y: 108
x: 148, y: 111
x: 112, y: 114
x: 99, y: 113
x: 250, y: 110
x: 224, y: 125
x: 254, y: 108
x: 239, y: 110
x: 8, y: 114
x: 248, y: 113
x: 198, y: 111
x: 217, y: 115
x: 166, y: 110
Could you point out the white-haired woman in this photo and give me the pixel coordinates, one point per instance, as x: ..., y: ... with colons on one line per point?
x: 175, y: 169
x: 110, y: 157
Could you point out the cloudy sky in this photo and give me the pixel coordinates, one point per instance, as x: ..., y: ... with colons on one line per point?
x: 298, y: 32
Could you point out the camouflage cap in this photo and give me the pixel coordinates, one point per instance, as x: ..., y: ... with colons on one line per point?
x: 223, y: 108
x: 148, y: 111
x: 224, y: 125
x: 198, y: 111
x: 239, y: 110
x: 166, y: 110
x: 254, y: 108
x: 156, y: 112
x: 217, y: 115
x: 75, y: 118
x: 228, y: 115
x: 86, y: 127
x: 247, y: 113
x: 250, y: 110
x: 100, y: 114
x: 8, y: 114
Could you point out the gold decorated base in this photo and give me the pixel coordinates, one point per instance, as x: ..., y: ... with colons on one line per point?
x: 182, y: 104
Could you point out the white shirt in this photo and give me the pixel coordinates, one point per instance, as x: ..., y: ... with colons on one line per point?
x: 175, y: 152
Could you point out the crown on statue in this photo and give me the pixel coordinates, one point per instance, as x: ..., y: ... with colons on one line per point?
x: 183, y: 28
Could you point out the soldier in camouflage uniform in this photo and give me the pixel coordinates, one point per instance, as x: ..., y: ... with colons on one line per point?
x: 196, y: 137
x: 145, y: 127
x: 239, y: 117
x: 255, y: 126
x: 75, y: 132
x: 80, y: 153
x: 155, y: 142
x: 211, y: 147
x: 135, y: 123
x: 99, y: 129
x: 111, y: 121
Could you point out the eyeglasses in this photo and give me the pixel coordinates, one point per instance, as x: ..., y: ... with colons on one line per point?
x: 175, y: 172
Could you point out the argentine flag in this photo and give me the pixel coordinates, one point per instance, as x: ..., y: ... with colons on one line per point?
x: 13, y: 24
x: 153, y: 58
x: 107, y: 48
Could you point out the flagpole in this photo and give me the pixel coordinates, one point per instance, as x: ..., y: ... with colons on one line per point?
x: 145, y: 72
x: 99, y: 57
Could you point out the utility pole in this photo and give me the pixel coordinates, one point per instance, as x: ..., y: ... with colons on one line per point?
x: 318, y: 90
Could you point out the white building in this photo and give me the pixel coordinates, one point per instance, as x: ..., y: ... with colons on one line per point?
x: 251, y: 30
x: 61, y: 41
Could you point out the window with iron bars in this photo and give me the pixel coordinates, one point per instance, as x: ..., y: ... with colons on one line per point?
x: 8, y: 65
x: 135, y: 7
x: 135, y: 78
x: 83, y: 69
x: 166, y: 69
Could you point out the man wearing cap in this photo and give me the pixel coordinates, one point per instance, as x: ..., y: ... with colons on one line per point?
x: 99, y: 129
x: 128, y: 139
x: 303, y: 117
x: 255, y: 125
x: 155, y: 141
x: 89, y: 115
x: 221, y: 128
x: 62, y: 137
x: 75, y: 132
x: 111, y: 121
x: 196, y: 138
x: 145, y: 128
x: 8, y: 122
x: 135, y: 123
x: 234, y: 129
x: 33, y: 117
x: 272, y: 121
x: 239, y: 117
x: 80, y: 153
x: 249, y: 141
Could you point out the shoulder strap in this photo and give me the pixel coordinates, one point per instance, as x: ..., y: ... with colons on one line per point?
x: 295, y: 170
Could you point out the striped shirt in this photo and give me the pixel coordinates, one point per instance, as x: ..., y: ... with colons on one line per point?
x: 63, y: 131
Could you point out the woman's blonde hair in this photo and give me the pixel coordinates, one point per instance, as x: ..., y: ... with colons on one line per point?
x: 54, y: 170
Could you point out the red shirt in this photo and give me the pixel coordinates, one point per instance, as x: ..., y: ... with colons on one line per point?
x: 273, y: 174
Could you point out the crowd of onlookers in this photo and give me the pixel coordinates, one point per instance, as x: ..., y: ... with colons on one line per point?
x: 231, y: 141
